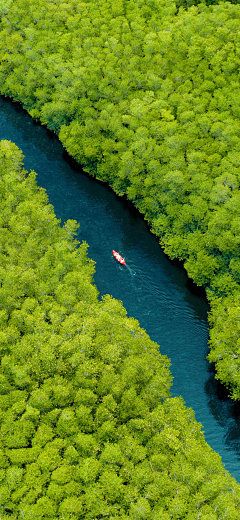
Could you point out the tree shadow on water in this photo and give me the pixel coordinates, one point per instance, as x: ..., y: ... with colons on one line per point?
x: 225, y: 411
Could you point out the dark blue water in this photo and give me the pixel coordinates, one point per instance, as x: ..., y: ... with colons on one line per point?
x: 153, y: 289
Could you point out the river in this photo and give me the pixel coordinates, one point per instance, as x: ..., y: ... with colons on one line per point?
x: 154, y: 290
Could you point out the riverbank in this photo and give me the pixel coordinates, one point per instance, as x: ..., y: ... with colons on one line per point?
x: 168, y: 140
x: 85, y: 392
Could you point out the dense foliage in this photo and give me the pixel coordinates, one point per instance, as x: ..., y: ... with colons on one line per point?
x: 88, y: 427
x: 147, y: 99
x: 188, y: 3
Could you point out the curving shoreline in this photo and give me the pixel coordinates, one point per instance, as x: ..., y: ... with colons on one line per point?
x: 148, y: 135
x: 156, y: 282
x: 85, y: 392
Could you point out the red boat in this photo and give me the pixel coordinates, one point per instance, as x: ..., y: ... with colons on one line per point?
x: 118, y: 257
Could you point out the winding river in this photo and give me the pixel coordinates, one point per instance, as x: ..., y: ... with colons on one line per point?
x: 154, y: 290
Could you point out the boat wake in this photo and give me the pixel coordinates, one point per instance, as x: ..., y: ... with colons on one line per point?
x: 131, y: 270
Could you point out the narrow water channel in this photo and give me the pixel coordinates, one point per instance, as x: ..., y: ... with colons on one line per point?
x: 154, y: 290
